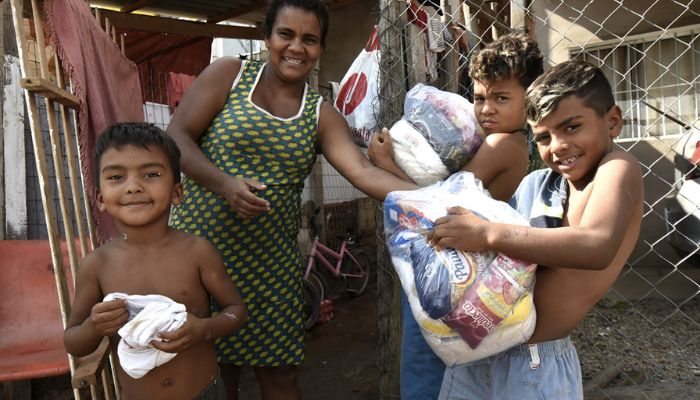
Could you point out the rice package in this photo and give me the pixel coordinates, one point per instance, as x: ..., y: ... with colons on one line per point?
x: 469, y: 305
x: 436, y: 136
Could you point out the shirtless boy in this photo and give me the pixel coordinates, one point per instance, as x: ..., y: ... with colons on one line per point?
x: 138, y: 173
x: 585, y: 211
x: 501, y: 73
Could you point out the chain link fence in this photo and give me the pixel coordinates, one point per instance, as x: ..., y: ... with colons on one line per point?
x: 641, y: 340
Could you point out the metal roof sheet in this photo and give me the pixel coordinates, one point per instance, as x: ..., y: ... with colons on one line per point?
x: 209, y: 11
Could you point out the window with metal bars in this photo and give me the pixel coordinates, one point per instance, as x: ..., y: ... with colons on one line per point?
x: 661, y: 69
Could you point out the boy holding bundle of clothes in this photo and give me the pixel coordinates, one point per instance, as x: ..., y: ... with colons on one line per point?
x: 152, y: 284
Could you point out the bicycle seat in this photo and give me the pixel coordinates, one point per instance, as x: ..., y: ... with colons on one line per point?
x: 347, y: 237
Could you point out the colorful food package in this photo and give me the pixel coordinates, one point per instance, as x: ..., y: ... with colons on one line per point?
x: 490, y: 299
x: 469, y: 305
x: 436, y: 136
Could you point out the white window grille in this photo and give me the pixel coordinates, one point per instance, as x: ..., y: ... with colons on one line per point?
x: 661, y: 69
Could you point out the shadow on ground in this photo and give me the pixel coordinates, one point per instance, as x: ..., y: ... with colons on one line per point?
x: 340, y: 359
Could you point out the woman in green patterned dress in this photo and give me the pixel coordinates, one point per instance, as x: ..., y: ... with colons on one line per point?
x: 249, y: 135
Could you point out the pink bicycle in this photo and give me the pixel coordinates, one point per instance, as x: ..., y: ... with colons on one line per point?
x: 352, y: 268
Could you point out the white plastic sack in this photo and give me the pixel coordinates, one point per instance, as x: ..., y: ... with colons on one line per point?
x: 357, y: 99
x: 436, y: 125
x: 468, y: 305
x: 414, y: 155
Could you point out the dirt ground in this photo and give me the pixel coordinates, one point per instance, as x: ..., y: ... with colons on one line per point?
x: 341, y: 364
x: 340, y: 358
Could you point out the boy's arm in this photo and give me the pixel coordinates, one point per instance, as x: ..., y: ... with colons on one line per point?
x: 499, y: 154
x: 590, y: 244
x: 219, y: 285
x: 91, y: 319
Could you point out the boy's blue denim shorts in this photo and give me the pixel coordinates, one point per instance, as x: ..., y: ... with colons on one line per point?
x: 547, y: 370
x: 421, y: 369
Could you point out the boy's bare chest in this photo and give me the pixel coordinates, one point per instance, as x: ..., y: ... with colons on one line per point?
x: 576, y: 205
x: 164, y: 275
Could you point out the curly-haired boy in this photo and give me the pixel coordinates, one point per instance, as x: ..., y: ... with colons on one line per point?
x: 501, y: 73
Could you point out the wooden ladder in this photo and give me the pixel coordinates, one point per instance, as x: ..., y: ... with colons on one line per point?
x: 45, y: 81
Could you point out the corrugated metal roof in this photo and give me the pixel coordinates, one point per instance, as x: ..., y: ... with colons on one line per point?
x: 210, y: 11
x: 202, y: 16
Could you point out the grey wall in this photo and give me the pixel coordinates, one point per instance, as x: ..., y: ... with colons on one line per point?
x: 350, y: 27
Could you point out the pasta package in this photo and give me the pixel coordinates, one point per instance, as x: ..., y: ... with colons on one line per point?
x: 469, y: 305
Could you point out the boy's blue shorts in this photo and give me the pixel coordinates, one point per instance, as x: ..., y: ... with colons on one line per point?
x: 421, y: 370
x: 547, y: 370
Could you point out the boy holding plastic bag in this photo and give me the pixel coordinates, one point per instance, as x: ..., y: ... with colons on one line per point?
x: 585, y: 211
x: 501, y: 73
x: 468, y: 305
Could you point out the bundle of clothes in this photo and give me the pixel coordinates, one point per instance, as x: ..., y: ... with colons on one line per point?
x: 148, y: 316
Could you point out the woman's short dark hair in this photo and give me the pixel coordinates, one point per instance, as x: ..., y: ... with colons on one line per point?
x: 140, y: 134
x: 317, y: 7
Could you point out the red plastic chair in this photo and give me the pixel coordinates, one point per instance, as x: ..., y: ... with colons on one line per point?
x: 31, y: 330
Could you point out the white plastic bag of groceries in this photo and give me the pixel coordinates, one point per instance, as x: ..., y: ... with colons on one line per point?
x: 468, y: 305
x: 357, y: 99
x: 436, y: 136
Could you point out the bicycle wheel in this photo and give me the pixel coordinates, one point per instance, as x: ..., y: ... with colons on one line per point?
x: 355, y: 274
x: 319, y: 282
x: 312, y: 305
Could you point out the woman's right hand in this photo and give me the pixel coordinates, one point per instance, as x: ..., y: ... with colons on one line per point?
x: 240, y: 194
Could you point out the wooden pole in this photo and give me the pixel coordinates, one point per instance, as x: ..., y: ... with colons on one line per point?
x: 35, y: 124
x: 92, y: 231
x: 494, y: 29
x: 316, y: 179
x: 57, y: 153
x: 13, y: 111
x: 518, y: 13
x: 450, y: 59
x: 39, y: 151
x: 73, y: 169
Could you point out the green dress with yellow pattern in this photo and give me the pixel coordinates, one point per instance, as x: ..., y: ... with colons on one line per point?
x: 262, y: 253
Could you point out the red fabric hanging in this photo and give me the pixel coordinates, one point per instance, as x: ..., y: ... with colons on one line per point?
x: 177, y: 85
x: 158, y: 54
x: 106, y: 82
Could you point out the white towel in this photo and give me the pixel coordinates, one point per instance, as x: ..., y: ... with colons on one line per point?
x: 148, y: 315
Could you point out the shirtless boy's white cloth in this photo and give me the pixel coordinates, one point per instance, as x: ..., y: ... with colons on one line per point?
x: 148, y: 315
